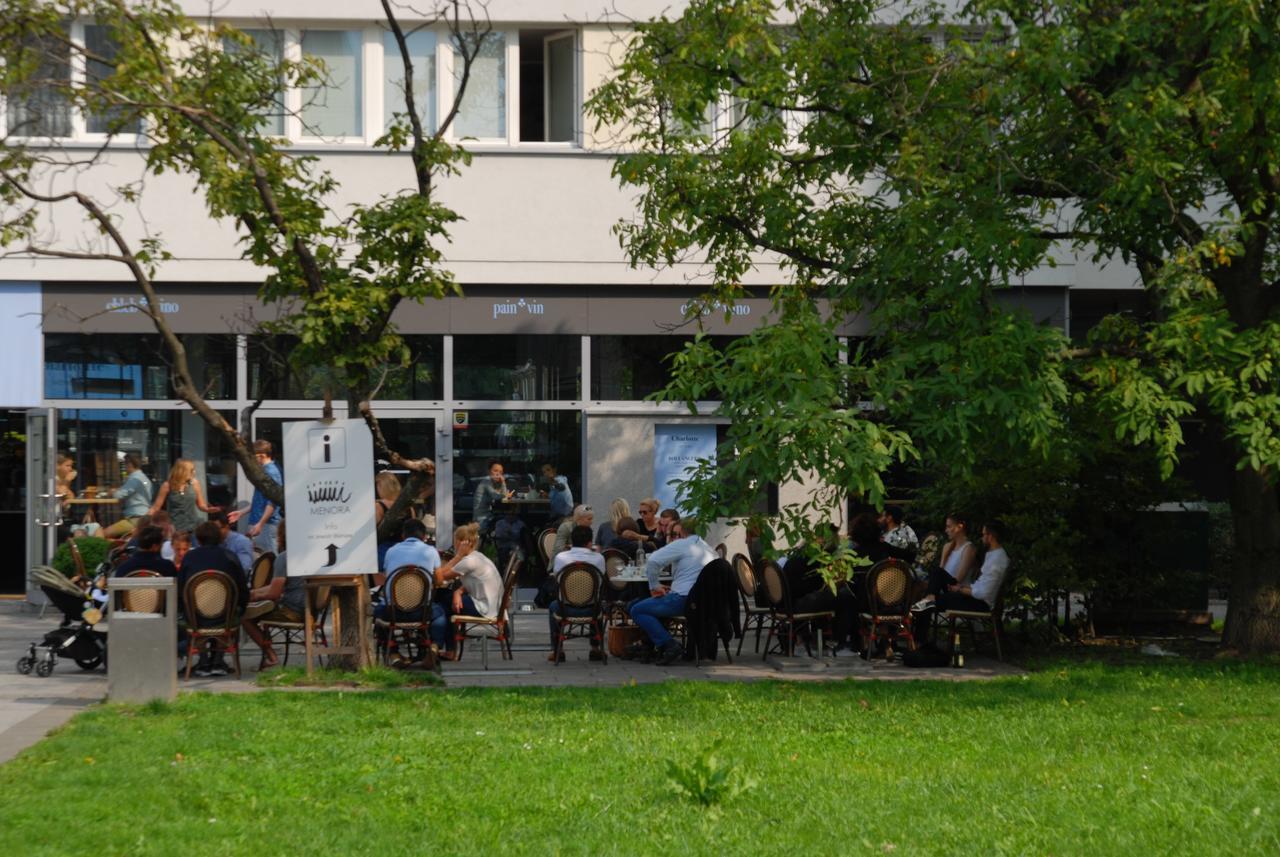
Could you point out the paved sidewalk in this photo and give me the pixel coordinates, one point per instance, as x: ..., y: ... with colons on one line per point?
x: 31, y: 707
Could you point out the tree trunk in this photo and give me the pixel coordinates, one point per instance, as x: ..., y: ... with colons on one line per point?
x: 1253, y: 614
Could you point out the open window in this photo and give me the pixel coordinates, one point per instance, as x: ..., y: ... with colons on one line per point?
x: 549, y: 103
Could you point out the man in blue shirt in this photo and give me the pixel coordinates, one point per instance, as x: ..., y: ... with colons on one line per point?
x: 558, y: 491
x: 237, y: 544
x: 687, y: 554
x: 264, y: 517
x: 412, y: 550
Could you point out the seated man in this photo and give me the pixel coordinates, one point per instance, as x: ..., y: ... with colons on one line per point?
x: 687, y: 554
x: 580, y: 552
x: 283, y: 599
x: 135, y: 496
x: 896, y: 532
x: 980, y: 596
x: 508, y: 534
x: 582, y: 517
x: 410, y: 550
x: 209, y: 555
x: 146, y: 557
x: 237, y: 544
x: 557, y: 490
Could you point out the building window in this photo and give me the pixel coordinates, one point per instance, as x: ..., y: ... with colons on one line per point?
x: 548, y: 86
x: 272, y: 375
x: 521, y: 367
x: 98, y: 440
x: 334, y: 107
x: 270, y: 44
x: 522, y: 441
x: 631, y: 368
x: 100, y: 50
x: 134, y: 366
x: 483, y: 114
x: 38, y: 108
x: 422, y: 53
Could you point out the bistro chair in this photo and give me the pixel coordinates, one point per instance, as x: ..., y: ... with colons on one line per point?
x: 211, y: 609
x: 975, y: 619
x: 290, y: 632
x: 142, y: 600
x: 499, y: 628
x: 888, y: 587
x: 747, y: 588
x: 408, y: 591
x: 546, y: 544
x: 786, y: 622
x: 722, y: 550
x: 581, y: 586
x: 260, y: 576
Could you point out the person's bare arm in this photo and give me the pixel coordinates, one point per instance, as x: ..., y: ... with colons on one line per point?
x: 161, y: 496
x: 271, y: 592
x: 966, y: 563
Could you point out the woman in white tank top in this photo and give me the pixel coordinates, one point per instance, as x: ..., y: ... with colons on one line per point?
x: 958, y: 554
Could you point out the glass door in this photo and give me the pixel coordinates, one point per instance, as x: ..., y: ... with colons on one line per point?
x: 44, y: 509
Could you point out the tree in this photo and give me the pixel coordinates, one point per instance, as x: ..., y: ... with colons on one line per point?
x: 906, y: 167
x: 203, y: 97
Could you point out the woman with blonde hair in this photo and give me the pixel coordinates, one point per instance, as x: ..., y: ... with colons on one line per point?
x: 621, y: 530
x: 387, y: 488
x: 180, y: 496
x: 480, y: 593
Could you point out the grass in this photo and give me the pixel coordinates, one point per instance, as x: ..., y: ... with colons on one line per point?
x: 373, y: 677
x: 1089, y: 759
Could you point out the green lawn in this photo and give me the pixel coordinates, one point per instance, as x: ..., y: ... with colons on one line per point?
x: 1085, y: 759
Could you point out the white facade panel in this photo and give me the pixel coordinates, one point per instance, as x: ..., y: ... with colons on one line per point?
x: 21, y: 381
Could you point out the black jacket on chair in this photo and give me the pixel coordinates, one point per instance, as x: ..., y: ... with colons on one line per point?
x: 712, y: 610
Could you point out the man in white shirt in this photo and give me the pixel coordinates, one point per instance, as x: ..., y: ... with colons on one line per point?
x: 687, y: 554
x: 580, y: 552
x: 982, y: 593
x: 897, y: 533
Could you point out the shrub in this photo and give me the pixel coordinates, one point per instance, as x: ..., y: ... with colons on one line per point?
x: 93, y: 551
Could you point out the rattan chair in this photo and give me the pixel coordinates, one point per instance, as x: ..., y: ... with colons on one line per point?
x: 722, y: 550
x: 977, y: 618
x: 290, y: 633
x: 408, y: 591
x: 747, y: 586
x: 581, y: 586
x: 211, y: 608
x: 546, y: 544
x: 888, y: 587
x: 142, y: 600
x: 260, y: 576
x: 786, y: 622
x: 483, y: 628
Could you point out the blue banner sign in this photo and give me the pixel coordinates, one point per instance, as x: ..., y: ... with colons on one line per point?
x: 676, y: 450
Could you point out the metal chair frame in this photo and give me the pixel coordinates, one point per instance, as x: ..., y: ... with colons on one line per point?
x: 890, y: 604
x: 260, y: 575
x: 499, y: 628
x: 993, y: 617
x: 413, y: 634
x: 581, y: 585
x: 294, y: 633
x: 748, y: 584
x: 226, y: 634
x: 785, y: 619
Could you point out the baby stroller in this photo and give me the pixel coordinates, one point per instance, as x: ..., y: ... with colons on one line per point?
x: 81, y: 636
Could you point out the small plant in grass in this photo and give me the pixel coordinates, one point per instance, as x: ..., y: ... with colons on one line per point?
x: 376, y: 676
x: 709, y: 779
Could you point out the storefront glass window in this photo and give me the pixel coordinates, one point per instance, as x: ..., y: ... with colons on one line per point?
x: 273, y: 376
x: 134, y: 366
x: 517, y: 368
x: 631, y: 368
x: 522, y: 441
x: 98, y: 439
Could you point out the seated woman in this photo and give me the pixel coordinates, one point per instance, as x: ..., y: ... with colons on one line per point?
x: 959, y: 558
x: 480, y: 593
x: 621, y: 531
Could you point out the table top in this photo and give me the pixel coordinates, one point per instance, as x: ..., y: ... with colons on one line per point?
x: 635, y: 574
x: 525, y: 501
x: 98, y: 500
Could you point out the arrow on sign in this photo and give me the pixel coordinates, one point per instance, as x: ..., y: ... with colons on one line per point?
x: 333, y: 554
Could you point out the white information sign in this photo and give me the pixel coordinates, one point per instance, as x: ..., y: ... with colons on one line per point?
x: 328, y: 497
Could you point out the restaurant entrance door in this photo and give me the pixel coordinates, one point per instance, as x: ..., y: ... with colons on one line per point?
x: 43, y: 511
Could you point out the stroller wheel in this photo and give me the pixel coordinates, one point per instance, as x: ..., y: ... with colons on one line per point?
x: 25, y: 665
x: 89, y: 663
x: 44, y: 669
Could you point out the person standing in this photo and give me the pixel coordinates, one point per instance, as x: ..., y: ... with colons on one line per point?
x: 181, y: 497
x: 264, y: 517
x: 135, y: 497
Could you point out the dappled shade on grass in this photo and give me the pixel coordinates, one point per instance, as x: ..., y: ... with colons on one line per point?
x: 1088, y: 760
